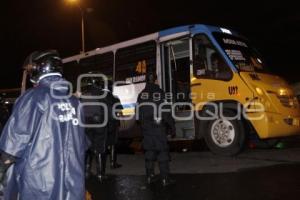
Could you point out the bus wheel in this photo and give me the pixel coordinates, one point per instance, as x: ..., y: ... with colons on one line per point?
x: 225, y: 136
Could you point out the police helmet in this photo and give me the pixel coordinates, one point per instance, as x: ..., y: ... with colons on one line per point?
x: 40, y: 64
x: 93, y: 81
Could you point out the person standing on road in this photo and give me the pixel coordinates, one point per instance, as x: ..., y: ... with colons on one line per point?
x: 113, y: 126
x: 42, y: 140
x: 97, y: 110
x: 154, y: 127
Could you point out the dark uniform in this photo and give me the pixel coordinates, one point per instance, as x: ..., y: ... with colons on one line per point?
x: 113, y: 127
x: 44, y: 138
x: 155, y: 141
x: 96, y: 114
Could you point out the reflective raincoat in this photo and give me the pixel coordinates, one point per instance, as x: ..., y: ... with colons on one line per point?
x: 44, y: 135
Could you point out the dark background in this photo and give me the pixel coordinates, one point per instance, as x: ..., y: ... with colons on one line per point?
x: 273, y: 27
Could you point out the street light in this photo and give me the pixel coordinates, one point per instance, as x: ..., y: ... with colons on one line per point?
x: 77, y: 2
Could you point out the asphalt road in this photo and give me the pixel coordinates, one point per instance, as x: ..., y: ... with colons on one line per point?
x: 280, y: 182
x: 253, y: 174
x: 277, y: 182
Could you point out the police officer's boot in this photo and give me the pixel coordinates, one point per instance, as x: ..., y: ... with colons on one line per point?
x: 167, y: 181
x: 113, y: 158
x: 164, y: 172
x: 88, y: 163
x: 101, y: 165
x: 150, y: 172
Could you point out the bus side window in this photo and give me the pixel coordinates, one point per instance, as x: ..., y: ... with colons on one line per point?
x: 208, y: 62
x: 105, y: 63
x: 71, y: 71
x: 100, y: 63
x: 133, y: 62
x: 199, y: 60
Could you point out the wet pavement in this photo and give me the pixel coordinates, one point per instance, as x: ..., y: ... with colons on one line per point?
x: 280, y: 182
x: 253, y: 174
x: 267, y: 174
x: 204, y: 162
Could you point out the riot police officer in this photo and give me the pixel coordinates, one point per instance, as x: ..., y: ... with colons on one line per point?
x: 43, y: 138
x: 113, y: 126
x: 154, y: 126
x: 97, y: 111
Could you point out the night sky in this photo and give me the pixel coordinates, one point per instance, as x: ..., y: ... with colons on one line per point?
x: 26, y: 26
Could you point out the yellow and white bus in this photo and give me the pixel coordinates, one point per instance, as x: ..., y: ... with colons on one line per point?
x: 206, y: 70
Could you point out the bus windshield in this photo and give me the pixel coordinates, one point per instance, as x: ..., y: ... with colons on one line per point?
x: 241, y: 53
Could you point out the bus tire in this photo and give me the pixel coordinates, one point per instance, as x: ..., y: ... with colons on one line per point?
x: 225, y: 136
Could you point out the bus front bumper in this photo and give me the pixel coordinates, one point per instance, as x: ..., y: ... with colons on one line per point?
x: 273, y: 125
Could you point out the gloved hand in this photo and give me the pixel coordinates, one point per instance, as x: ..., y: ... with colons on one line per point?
x: 6, y: 160
x: 3, y: 169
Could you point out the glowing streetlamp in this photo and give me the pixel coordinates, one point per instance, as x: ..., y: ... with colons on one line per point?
x: 77, y: 2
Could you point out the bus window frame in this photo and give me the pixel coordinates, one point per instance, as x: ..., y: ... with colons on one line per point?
x: 66, y: 75
x: 162, y: 58
x: 98, y: 69
x: 95, y: 70
x: 249, y: 43
x: 116, y: 61
x: 220, y: 52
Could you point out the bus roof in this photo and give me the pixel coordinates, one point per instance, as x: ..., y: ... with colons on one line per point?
x: 161, y: 35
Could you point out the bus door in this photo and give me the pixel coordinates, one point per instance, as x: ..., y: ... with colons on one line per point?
x: 176, y: 68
